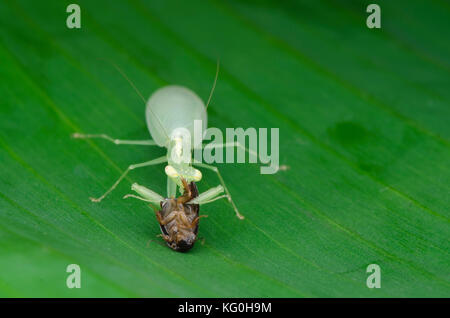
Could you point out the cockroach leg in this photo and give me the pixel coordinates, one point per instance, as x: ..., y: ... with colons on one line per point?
x: 156, y: 241
x: 158, y: 216
x: 187, y: 195
x: 169, y: 218
x: 195, y: 222
x: 165, y: 237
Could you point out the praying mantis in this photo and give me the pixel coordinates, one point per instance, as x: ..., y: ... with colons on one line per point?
x: 168, y: 110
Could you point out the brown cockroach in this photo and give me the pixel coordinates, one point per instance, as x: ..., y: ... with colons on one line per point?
x: 178, y: 219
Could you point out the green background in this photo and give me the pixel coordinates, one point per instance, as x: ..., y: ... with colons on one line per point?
x: 364, y: 127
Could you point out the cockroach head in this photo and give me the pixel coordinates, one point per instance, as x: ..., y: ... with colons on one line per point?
x: 185, y: 244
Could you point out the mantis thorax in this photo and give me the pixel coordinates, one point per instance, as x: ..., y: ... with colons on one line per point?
x: 179, y: 159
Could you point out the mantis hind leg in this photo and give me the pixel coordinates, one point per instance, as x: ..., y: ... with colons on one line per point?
x: 115, y: 141
x: 228, y: 195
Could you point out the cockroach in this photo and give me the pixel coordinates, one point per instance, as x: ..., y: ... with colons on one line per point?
x: 179, y: 220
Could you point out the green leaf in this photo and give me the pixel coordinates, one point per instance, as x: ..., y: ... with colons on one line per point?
x: 363, y: 117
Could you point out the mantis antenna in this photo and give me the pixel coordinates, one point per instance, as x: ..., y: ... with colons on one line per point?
x: 214, y: 84
x: 136, y: 90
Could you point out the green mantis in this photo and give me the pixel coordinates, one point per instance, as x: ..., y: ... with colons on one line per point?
x: 170, y: 114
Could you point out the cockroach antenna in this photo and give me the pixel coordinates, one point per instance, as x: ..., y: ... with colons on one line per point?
x: 214, y: 84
